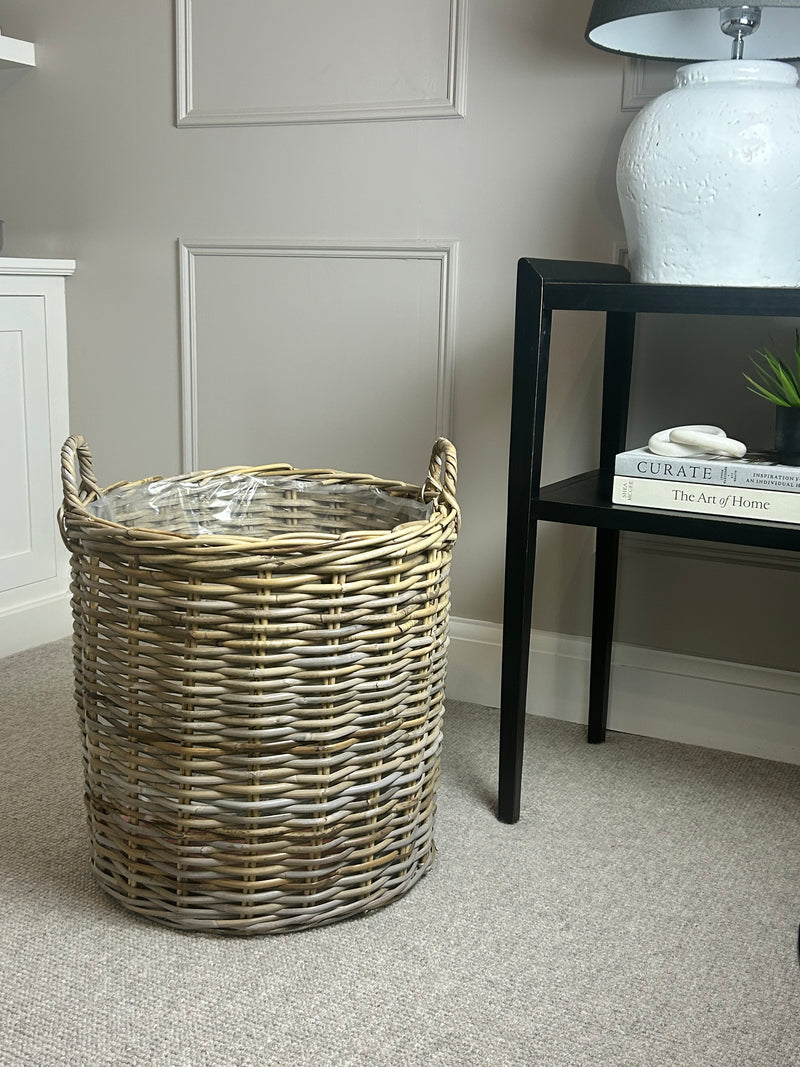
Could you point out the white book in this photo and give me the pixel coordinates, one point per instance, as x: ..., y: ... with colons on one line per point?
x: 756, y: 470
x: 760, y: 504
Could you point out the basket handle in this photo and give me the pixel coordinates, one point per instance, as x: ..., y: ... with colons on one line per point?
x: 76, y: 463
x: 442, y: 474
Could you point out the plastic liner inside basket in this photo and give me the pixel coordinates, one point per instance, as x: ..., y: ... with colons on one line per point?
x: 251, y: 505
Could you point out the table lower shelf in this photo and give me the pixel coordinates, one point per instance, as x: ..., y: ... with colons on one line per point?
x: 579, y: 501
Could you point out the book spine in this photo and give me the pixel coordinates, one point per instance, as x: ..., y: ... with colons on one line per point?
x: 760, y: 504
x: 762, y: 476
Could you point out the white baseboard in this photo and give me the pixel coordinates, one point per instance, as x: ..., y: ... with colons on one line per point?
x: 26, y: 626
x: 729, y: 706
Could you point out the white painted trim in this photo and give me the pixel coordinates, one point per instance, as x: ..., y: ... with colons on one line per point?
x: 16, y: 53
x: 36, y: 623
x: 729, y: 706
x: 645, y: 79
x: 457, y: 60
x: 452, y: 106
x: 188, y: 386
x: 445, y: 252
x: 711, y: 552
x: 62, y: 267
x: 633, y: 94
x: 619, y: 254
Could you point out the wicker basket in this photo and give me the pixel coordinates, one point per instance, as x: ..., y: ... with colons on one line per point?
x: 261, y: 712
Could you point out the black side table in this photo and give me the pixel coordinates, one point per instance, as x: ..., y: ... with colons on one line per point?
x: 545, y: 286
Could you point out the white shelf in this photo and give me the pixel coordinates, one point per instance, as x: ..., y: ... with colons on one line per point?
x: 14, y: 53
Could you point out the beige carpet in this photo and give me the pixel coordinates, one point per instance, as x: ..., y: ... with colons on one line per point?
x: 642, y: 913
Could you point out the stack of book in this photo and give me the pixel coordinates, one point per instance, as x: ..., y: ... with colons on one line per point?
x: 754, y: 487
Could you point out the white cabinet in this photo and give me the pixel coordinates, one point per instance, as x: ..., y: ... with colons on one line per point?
x: 16, y: 54
x: 34, y: 422
x: 16, y: 57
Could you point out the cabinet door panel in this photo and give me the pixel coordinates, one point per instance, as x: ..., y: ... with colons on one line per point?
x: 27, y: 507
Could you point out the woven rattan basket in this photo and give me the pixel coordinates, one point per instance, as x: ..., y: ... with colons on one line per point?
x: 261, y: 711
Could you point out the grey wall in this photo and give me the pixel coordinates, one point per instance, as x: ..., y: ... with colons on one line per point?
x: 95, y: 168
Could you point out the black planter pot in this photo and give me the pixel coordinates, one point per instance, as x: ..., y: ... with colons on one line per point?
x: 787, y: 435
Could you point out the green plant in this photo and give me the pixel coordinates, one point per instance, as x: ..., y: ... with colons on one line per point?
x: 777, y: 382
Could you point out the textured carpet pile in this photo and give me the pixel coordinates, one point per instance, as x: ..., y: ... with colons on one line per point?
x: 643, y: 912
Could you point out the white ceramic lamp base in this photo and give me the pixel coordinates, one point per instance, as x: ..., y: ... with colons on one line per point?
x: 709, y: 178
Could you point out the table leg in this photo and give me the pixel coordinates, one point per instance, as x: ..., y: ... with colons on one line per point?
x: 514, y: 686
x: 605, y: 594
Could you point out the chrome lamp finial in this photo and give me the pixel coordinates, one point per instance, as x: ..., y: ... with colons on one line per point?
x: 739, y: 22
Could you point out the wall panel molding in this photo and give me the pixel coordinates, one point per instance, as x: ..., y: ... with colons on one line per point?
x: 645, y: 79
x: 442, y: 252
x: 451, y: 105
x: 711, y: 552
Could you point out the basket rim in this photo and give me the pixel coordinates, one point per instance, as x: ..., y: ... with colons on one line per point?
x: 73, y: 511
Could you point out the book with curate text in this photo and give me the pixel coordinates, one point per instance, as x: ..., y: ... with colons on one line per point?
x: 756, y: 470
x: 760, y: 504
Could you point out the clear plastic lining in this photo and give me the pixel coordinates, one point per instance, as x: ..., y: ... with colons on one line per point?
x: 256, y: 506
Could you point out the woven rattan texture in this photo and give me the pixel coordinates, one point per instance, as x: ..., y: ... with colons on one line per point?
x: 261, y: 718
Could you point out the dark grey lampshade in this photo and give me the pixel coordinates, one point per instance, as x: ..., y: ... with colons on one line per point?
x: 690, y: 29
